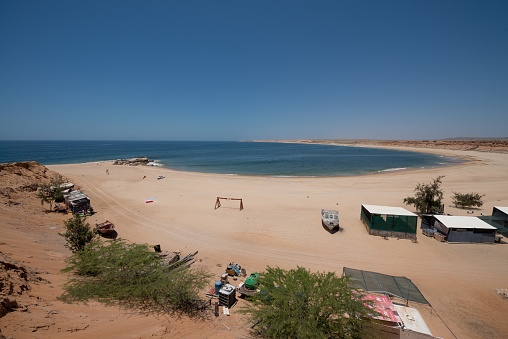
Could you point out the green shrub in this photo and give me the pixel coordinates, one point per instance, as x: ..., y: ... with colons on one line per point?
x: 133, y: 276
x: 467, y: 199
x: 78, y: 233
x: 301, y: 304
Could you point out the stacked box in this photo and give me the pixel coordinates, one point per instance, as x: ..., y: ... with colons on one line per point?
x: 227, y: 295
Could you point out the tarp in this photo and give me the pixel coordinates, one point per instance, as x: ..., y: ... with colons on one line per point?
x: 383, y: 306
x: 401, y: 287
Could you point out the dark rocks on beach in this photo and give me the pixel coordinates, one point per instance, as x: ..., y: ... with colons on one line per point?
x: 132, y: 161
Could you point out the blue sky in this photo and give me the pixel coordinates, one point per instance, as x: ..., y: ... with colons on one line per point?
x: 236, y: 70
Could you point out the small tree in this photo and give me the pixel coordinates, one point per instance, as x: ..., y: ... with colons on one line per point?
x: 78, y: 233
x: 467, y: 199
x: 52, y: 191
x: 301, y: 304
x: 428, y: 197
x: 57, y: 188
x: 44, y: 194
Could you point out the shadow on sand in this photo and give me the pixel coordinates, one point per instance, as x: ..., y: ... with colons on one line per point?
x: 111, y: 235
x: 333, y: 230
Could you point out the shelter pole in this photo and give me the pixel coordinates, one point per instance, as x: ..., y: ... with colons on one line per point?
x: 407, y: 296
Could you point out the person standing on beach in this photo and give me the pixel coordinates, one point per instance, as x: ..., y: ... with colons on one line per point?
x: 107, y: 171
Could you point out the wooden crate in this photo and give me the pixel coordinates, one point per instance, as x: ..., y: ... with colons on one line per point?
x: 440, y: 237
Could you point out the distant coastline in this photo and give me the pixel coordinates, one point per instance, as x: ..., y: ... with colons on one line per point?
x: 494, y: 145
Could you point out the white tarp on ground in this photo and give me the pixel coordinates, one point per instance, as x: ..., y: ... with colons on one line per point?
x: 412, y: 319
x: 388, y: 210
x: 449, y: 221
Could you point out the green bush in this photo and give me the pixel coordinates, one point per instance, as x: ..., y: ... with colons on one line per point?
x: 467, y: 199
x: 78, y: 233
x: 301, y: 304
x: 133, y: 276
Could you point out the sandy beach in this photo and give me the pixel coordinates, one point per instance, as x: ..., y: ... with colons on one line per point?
x: 279, y: 226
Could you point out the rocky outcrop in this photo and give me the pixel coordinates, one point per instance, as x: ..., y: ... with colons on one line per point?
x: 7, y: 192
x: 22, y: 177
x: 14, y: 281
x: 132, y: 161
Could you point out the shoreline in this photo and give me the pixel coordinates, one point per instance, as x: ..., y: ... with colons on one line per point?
x: 388, y: 171
x: 427, y: 150
x: 462, y: 160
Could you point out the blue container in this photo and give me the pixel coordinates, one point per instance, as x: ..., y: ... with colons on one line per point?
x: 218, y: 285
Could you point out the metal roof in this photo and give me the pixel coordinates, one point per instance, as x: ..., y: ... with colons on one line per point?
x: 75, y: 197
x: 502, y: 209
x: 389, y: 210
x: 74, y: 193
x: 449, y: 221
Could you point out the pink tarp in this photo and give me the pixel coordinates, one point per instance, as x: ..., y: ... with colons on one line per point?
x: 384, y: 306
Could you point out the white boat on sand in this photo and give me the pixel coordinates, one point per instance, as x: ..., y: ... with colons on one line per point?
x: 330, y: 219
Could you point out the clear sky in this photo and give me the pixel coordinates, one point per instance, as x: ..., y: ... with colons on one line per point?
x: 236, y: 70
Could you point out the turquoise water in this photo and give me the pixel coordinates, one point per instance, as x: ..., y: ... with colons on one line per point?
x: 241, y: 158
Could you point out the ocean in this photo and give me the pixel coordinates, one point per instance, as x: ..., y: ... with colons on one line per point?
x: 228, y: 157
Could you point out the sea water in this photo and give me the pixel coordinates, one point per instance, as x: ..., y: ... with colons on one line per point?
x: 228, y: 157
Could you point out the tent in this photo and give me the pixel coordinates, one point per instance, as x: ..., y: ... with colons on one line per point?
x: 465, y: 229
x: 389, y: 221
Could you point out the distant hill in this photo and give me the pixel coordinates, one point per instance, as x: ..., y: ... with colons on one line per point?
x: 470, y: 139
x: 491, y: 145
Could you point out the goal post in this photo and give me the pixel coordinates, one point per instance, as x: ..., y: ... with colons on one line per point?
x: 218, y: 204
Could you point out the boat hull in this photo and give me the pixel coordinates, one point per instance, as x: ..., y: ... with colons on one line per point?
x: 330, y: 219
x: 106, y: 227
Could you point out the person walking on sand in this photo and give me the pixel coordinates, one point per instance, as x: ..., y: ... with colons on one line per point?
x: 107, y: 171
